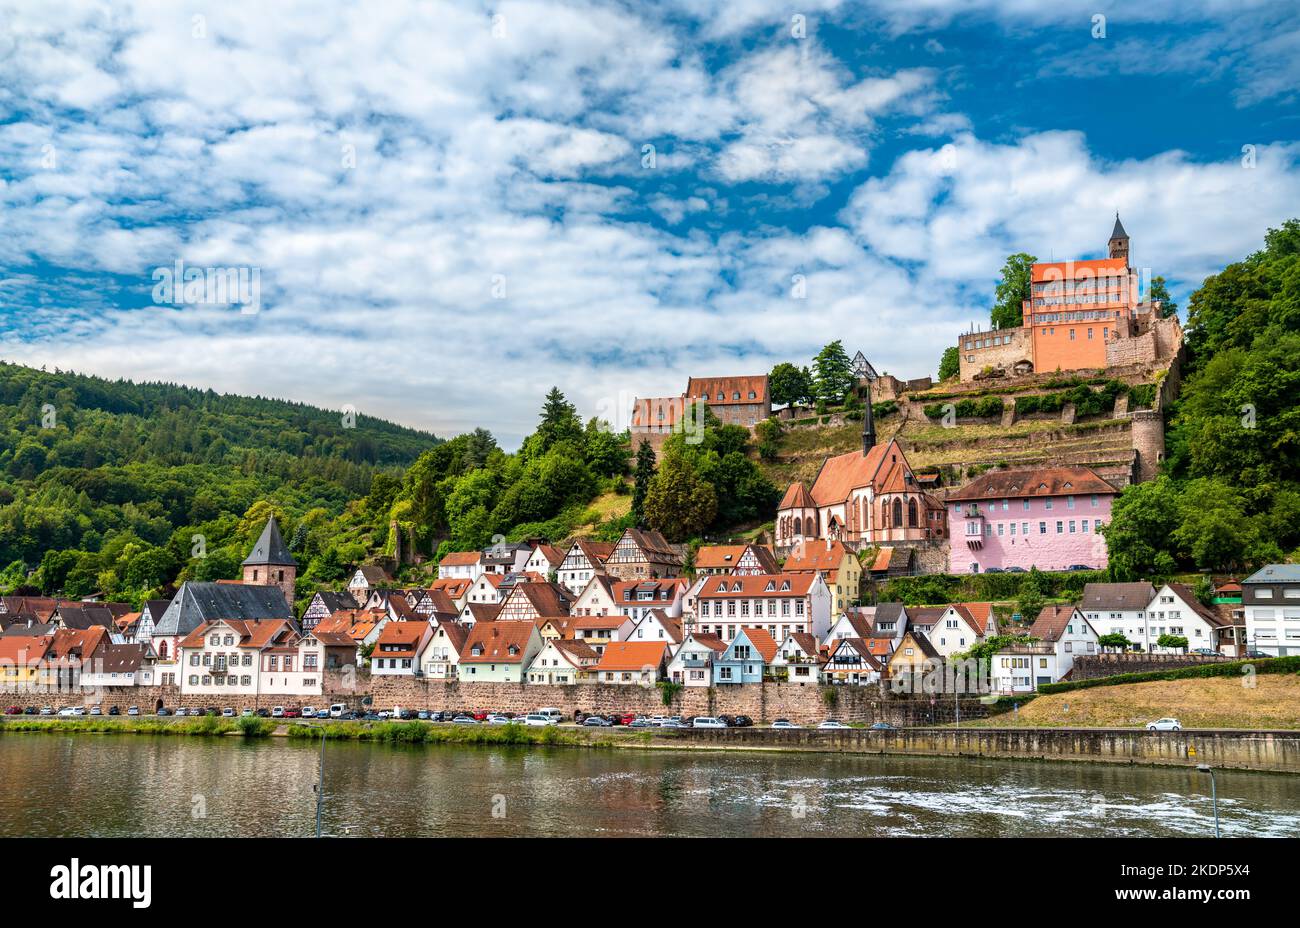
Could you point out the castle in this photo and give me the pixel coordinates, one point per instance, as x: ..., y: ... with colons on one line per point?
x: 1081, y: 315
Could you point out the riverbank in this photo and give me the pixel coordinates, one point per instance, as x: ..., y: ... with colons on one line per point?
x: 1271, y: 751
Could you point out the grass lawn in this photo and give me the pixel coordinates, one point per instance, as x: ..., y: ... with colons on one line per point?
x: 1213, y: 702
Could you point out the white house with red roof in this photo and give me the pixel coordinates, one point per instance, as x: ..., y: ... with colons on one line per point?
x: 777, y: 603
x: 563, y: 663
x: 397, y: 650
x: 1060, y: 634
x: 692, y: 665
x: 499, y: 652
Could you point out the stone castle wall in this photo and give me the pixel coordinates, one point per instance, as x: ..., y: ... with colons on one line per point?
x: 1092, y: 666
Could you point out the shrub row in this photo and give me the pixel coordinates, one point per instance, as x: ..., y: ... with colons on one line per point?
x: 1229, y: 669
x: 987, y: 407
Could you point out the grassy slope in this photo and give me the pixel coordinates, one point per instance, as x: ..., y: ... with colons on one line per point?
x: 1214, y: 702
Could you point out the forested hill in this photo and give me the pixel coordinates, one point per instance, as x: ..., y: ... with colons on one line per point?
x: 87, y: 462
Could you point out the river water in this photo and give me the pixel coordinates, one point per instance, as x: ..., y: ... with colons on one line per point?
x: 117, y: 785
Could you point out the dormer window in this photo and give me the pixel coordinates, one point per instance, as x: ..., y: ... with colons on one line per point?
x: 771, y: 587
x: 722, y: 587
x: 477, y: 650
x: 785, y: 586
x: 735, y: 395
x: 735, y: 587
x: 513, y: 650
x: 753, y: 395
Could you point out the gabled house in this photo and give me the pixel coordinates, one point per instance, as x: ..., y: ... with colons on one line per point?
x: 692, y: 665
x: 584, y: 559
x: 596, y: 598
x: 657, y: 625
x: 746, y: 657
x: 366, y: 578
x: 836, y: 563
x: 198, y: 603
x: 777, y: 603
x: 461, y: 565
x: 1058, y: 636
x: 635, y: 598
x: 473, y: 613
x: 1120, y: 609
x: 398, y: 648
x: 499, y: 652
x: 711, y: 560
x: 486, y: 590
x: 526, y: 602
x: 119, y: 665
x: 855, y: 623
x: 545, y: 561
x: 642, y: 554
x: 851, y: 662
x: 632, y: 663
x: 150, y: 613
x: 598, y: 631
x: 455, y: 589
x: 799, y: 659
x: 563, y: 663
x: 1270, y: 602
x: 958, y: 629
x: 238, y: 657
x: 1175, y: 610
x: 22, y: 660
x: 506, y: 557
x: 912, y: 655
x: 440, y: 656
x: 326, y: 603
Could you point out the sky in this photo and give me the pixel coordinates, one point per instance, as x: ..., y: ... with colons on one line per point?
x: 447, y: 208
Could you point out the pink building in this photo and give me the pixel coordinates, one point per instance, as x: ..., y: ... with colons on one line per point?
x: 1049, y: 518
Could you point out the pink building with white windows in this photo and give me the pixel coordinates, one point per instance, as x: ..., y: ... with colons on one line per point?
x: 1049, y: 518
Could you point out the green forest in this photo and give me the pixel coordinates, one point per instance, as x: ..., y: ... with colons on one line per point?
x: 127, y: 490
x: 1229, y: 495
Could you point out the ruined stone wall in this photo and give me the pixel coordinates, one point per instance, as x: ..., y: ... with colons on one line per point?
x: 997, y: 349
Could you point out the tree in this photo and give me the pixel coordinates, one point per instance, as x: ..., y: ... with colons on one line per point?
x: 559, y: 423
x: 1012, y: 291
x: 1160, y: 292
x: 833, y: 372
x: 678, y: 502
x: 950, y: 363
x: 769, y: 438
x: 1142, y: 520
x: 1033, y: 590
x: 645, y: 471
x: 789, y: 384
x: 1117, y: 640
x: 1172, y: 641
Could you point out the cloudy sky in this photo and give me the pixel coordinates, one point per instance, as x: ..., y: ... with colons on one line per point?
x: 453, y: 206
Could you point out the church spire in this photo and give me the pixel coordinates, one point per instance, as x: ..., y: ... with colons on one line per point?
x: 868, y: 427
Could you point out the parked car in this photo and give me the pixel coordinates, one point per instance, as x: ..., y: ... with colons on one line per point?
x: 47, y: 710
x: 672, y: 723
x: 96, y: 710
x: 246, y: 712
x: 162, y: 711
x: 308, y: 712
x: 13, y: 710
x: 479, y: 714
x: 337, y: 710
x: 832, y: 724
x: 595, y: 721
x: 277, y: 712
x: 1016, y: 570
x: 30, y: 710
x: 728, y: 719
x: 742, y: 721
x: 67, y: 712
x: 534, y: 719
x: 1165, y: 725
x: 263, y: 713
x: 882, y: 726
x: 292, y: 713
x: 785, y: 723
x: 133, y: 710
x: 640, y: 723
x: 1258, y: 654
x: 498, y: 718
x: 181, y: 711
x: 465, y: 720
x: 552, y: 713
x: 112, y: 710
x: 228, y: 712
x: 993, y: 570
x: 1080, y: 567
x: 423, y: 715
x: 623, y: 718
x: 704, y: 721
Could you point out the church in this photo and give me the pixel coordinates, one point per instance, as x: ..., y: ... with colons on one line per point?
x: 861, y: 498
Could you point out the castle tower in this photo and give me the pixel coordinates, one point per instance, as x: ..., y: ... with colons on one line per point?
x: 1118, y: 244
x: 1148, y: 436
x: 270, y: 563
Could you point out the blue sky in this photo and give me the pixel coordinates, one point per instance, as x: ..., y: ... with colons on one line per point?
x: 451, y: 208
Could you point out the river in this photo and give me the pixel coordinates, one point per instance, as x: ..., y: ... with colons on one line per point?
x: 111, y: 785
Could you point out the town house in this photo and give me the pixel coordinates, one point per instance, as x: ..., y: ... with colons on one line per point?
x: 584, y: 560
x: 777, y: 603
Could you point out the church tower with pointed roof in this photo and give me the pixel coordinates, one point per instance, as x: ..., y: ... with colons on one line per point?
x: 1118, y: 244
x: 270, y: 563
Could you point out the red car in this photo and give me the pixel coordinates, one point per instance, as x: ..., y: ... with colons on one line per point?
x: 14, y: 710
x: 479, y: 714
x: 292, y: 713
x: 623, y: 718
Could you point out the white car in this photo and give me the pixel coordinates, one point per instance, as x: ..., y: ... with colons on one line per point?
x: 705, y: 721
x: 134, y: 710
x: 1165, y: 725
x: 536, y: 719
x: 831, y: 725
x: 308, y: 712
x: 67, y: 712
x: 496, y: 718
x: 277, y: 712
x: 785, y: 723
x: 555, y: 715
x: 228, y: 713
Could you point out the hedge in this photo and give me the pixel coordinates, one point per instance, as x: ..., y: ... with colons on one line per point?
x: 946, y: 588
x: 985, y: 408
x: 1228, y: 669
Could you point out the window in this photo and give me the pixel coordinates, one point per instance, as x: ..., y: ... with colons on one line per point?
x: 1042, y: 528
x: 1059, y: 528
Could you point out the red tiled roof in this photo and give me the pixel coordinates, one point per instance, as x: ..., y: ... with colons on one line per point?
x: 496, y: 639
x: 1044, y: 481
x: 796, y: 497
x: 755, y: 585
x: 882, y: 466
x: 400, y: 639
x: 763, y: 641
x: 1048, y: 271
x: 815, y: 555
x: 709, y: 387
x: 460, y: 559
x: 657, y: 412
x: 632, y: 655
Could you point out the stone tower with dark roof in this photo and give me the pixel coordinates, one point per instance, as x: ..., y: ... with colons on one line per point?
x: 270, y: 563
x: 1118, y: 244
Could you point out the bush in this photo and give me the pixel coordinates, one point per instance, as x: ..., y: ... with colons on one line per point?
x: 1226, y: 669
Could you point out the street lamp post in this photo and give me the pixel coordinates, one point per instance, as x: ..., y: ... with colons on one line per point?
x: 1214, y: 795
